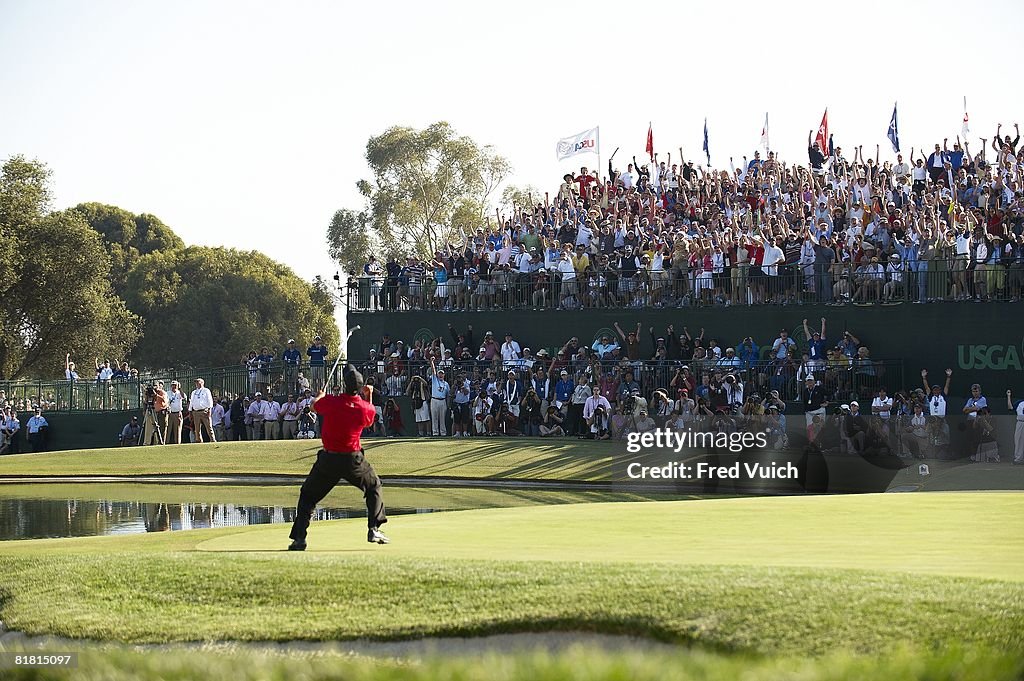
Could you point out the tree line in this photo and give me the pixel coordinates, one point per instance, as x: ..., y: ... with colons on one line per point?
x: 98, y: 281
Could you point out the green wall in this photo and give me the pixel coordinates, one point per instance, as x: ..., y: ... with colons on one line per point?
x: 981, y: 342
x: 79, y: 430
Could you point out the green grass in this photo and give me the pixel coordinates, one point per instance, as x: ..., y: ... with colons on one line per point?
x: 521, y: 458
x: 795, y: 575
x: 577, y: 664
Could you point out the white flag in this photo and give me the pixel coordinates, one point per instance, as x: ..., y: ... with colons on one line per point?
x: 964, y: 131
x: 764, y: 134
x: 583, y: 143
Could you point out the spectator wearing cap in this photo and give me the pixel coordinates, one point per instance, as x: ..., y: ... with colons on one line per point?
x: 439, y: 393
x: 511, y: 352
x: 814, y: 399
x: 604, y: 346
x: 937, y: 395
x: 10, y: 427
x: 36, y: 430
x: 856, y: 428
x: 317, y: 354
x: 255, y: 417
x: 291, y: 358
x: 564, y: 388
x: 491, y: 347
x: 175, y: 413
x: 271, y: 412
x: 131, y: 433
x: 200, y: 403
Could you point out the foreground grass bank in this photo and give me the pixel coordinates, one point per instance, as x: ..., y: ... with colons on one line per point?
x: 797, y: 575
x: 521, y: 458
x: 577, y: 664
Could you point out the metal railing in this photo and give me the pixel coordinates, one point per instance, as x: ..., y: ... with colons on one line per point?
x: 888, y: 281
x: 115, y: 395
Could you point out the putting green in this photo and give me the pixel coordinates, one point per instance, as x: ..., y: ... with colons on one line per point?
x: 972, y: 535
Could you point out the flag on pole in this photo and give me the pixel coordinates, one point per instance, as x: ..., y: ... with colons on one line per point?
x: 706, y: 150
x: 965, y: 131
x: 894, y: 133
x: 764, y: 133
x: 650, y: 141
x: 585, y: 142
x: 821, y: 139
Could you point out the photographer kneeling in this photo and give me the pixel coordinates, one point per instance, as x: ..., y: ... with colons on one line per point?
x: 129, y: 436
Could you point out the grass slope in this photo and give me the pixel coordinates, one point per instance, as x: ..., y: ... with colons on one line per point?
x: 782, y: 575
x: 522, y: 458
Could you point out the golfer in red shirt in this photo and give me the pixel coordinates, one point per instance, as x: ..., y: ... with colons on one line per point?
x: 344, y: 417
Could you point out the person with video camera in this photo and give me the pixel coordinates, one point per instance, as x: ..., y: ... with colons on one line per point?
x: 154, y: 430
x: 342, y: 457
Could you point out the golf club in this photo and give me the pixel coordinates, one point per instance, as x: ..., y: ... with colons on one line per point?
x: 327, y: 383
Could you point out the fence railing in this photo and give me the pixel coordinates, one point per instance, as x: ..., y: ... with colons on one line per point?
x: 887, y: 281
x: 98, y: 395
x: 844, y: 379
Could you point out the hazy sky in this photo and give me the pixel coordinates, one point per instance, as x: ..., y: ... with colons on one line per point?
x: 244, y: 123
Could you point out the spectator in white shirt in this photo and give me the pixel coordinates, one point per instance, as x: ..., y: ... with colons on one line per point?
x: 596, y: 411
x: 255, y: 414
x: 290, y: 413
x: 200, y: 403
x: 217, y: 419
x: 175, y: 406
x: 510, y: 352
x: 271, y: 412
x: 881, y: 406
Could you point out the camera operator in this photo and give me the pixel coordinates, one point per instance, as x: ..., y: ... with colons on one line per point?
x: 661, y: 407
x: 155, y: 415
x: 551, y: 423
x: 530, y: 413
x: 595, y: 413
x: 733, y: 389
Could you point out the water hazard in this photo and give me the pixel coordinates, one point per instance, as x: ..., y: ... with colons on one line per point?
x: 41, y: 510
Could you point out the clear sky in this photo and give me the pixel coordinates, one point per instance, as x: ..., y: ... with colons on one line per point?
x: 244, y: 123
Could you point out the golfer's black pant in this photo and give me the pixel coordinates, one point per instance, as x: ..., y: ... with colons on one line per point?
x: 329, y: 469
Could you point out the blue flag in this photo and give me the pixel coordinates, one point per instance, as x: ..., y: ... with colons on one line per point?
x: 706, y: 141
x: 894, y: 133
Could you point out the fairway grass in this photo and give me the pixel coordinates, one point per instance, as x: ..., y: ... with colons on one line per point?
x: 790, y: 575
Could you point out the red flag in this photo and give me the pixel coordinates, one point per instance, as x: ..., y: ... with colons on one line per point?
x: 821, y: 139
x: 650, y: 141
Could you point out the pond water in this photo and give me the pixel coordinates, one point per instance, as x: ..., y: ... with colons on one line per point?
x: 35, y: 511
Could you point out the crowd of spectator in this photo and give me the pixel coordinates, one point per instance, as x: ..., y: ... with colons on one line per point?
x: 947, y: 225
x: 622, y: 383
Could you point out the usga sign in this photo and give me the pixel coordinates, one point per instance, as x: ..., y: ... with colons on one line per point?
x: 995, y: 357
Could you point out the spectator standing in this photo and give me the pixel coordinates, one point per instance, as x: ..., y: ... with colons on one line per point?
x: 937, y: 396
x: 237, y: 417
x: 290, y: 413
x: 263, y: 362
x: 974, y: 406
x: 255, y: 414
x: 511, y: 353
x: 271, y: 412
x: 155, y: 427
x: 439, y: 391
x: 317, y: 354
x: 200, y: 403
x: 814, y: 400
x: 175, y: 415
x: 217, y: 419
x: 1018, y: 433
x: 11, y: 427
x: 36, y: 429
x: 291, y: 358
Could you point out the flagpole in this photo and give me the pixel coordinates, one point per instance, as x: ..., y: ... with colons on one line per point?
x: 600, y: 168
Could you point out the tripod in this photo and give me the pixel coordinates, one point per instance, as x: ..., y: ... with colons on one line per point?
x: 149, y: 417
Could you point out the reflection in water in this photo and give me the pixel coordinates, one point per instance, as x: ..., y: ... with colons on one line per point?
x: 39, y: 518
